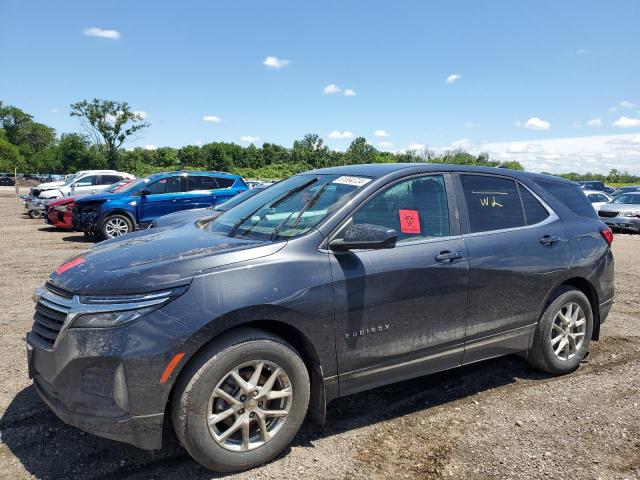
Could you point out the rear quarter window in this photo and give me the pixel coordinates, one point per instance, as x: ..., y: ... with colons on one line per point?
x: 224, y: 182
x: 571, y: 196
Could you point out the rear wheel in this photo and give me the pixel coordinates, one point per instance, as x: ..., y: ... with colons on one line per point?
x: 35, y: 214
x: 241, y: 401
x: 116, y: 226
x: 563, y: 334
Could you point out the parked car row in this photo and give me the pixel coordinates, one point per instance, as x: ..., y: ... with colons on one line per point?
x: 106, y: 204
x: 229, y: 326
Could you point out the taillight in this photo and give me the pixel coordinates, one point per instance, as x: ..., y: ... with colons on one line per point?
x: 607, y: 234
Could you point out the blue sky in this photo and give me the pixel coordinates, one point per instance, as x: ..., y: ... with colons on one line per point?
x: 553, y: 84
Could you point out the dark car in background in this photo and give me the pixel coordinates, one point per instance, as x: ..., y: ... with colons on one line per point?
x: 627, y: 189
x: 328, y: 283
x: 185, y: 216
x: 141, y: 202
x: 6, y: 180
x: 593, y: 185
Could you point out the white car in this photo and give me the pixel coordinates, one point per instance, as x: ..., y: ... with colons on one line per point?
x: 85, y: 183
x: 597, y: 198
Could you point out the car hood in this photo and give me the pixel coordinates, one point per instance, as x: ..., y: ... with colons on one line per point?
x: 152, y: 260
x: 69, y: 199
x: 97, y: 197
x: 619, y: 207
x: 185, y: 216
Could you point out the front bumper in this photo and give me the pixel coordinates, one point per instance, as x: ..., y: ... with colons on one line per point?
x: 624, y: 223
x: 35, y: 206
x: 105, y: 381
x: 86, y: 221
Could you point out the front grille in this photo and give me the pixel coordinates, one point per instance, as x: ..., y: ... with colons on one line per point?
x: 607, y: 214
x: 51, y: 313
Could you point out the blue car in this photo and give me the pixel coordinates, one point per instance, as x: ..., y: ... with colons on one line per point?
x: 112, y: 215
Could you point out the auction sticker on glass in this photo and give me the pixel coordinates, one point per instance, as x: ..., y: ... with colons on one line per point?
x: 355, y: 181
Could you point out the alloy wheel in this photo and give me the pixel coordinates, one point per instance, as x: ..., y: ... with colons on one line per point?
x: 568, y: 331
x: 249, y: 405
x: 116, y: 227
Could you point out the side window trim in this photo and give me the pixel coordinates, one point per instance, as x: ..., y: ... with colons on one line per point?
x: 454, y: 224
x: 464, y: 212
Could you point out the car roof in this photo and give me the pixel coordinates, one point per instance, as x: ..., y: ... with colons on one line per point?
x: 192, y: 172
x: 379, y: 170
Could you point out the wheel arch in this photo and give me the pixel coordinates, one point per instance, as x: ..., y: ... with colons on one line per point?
x: 585, y: 286
x: 294, y: 336
x: 119, y: 211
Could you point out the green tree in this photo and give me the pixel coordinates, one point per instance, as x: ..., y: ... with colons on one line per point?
x: 10, y: 157
x: 109, y: 123
x: 360, y: 151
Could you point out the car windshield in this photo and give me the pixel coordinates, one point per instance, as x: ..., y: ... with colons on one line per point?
x: 134, y: 186
x: 69, y: 180
x: 289, y: 208
x: 628, y: 199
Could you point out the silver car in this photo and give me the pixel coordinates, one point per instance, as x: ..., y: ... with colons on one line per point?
x: 623, y: 212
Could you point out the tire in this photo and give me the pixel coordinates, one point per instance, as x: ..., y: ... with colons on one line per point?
x: 191, y: 402
x: 35, y: 214
x: 549, y: 338
x: 115, y: 226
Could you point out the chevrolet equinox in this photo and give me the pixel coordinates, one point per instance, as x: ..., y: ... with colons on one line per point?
x: 326, y: 284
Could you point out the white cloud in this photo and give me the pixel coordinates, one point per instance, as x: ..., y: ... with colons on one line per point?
x: 454, y: 77
x: 150, y: 147
x: 331, y: 89
x: 416, y: 146
x: 249, y: 139
x: 622, y: 104
x: 594, y: 122
x: 464, y: 143
x: 54, y: 110
x: 336, y: 134
x: 199, y: 143
x: 598, y: 153
x: 141, y: 114
x: 581, y: 51
x: 102, y: 33
x: 349, y: 92
x: 535, y: 123
x: 275, y: 62
x: 471, y: 125
x: 627, y: 122
x: 381, y: 133
x: 576, y: 124
x: 212, y: 118
x: 385, y: 144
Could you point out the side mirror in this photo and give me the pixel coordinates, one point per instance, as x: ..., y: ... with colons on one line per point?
x: 366, y: 236
x: 144, y: 192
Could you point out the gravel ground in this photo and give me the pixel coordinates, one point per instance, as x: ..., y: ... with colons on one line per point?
x: 496, y: 419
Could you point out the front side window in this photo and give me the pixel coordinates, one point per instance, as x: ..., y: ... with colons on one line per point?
x: 289, y: 208
x: 493, y: 203
x: 416, y: 209
x: 165, y: 185
x: 88, y: 181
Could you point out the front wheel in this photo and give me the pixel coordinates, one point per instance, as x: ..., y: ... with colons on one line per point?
x: 35, y: 214
x: 241, y: 401
x: 116, y: 226
x: 563, y: 333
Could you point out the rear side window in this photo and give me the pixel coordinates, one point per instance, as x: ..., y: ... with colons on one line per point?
x: 109, y: 179
x: 201, y: 182
x: 224, y: 182
x: 571, y: 196
x: 493, y: 203
x: 534, y: 212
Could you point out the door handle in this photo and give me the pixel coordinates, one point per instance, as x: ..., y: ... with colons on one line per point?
x: 447, y: 257
x: 174, y: 200
x: 549, y: 239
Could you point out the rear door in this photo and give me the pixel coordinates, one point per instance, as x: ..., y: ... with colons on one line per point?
x: 518, y: 248
x: 400, y: 311
x: 200, y: 192
x: 163, y: 197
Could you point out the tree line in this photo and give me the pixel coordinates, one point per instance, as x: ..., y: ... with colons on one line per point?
x: 33, y: 147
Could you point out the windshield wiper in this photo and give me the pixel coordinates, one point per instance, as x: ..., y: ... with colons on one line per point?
x: 275, y: 203
x: 308, y: 204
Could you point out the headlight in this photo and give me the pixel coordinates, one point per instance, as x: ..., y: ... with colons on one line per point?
x: 634, y: 213
x: 113, y: 311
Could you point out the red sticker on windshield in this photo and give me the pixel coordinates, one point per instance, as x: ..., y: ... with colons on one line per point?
x: 66, y: 266
x: 409, y: 221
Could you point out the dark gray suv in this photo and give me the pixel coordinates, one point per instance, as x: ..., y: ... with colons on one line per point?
x: 325, y: 284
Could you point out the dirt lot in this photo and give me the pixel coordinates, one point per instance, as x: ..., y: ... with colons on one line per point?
x: 497, y: 419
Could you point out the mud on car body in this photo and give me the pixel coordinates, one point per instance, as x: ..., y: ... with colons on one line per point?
x: 325, y: 284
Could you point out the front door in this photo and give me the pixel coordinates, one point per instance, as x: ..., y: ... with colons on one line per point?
x: 400, y: 311
x: 162, y: 197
